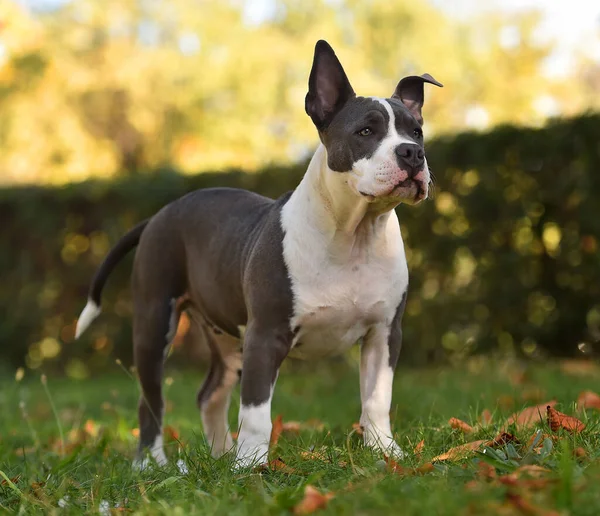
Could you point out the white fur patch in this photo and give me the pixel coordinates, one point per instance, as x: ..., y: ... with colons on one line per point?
x: 346, y: 276
x: 376, y: 379
x: 157, y: 451
x: 255, y: 433
x: 90, y: 312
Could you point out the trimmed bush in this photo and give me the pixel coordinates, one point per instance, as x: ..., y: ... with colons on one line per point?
x: 504, y: 258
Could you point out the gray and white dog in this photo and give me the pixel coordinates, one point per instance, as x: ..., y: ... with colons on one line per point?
x: 307, y: 275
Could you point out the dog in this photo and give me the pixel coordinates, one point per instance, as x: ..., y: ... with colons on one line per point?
x: 307, y: 275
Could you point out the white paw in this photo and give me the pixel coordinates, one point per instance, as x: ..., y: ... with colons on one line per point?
x: 249, y: 456
x: 384, y: 444
x: 141, y: 464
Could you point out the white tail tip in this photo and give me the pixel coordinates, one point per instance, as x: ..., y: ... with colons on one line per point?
x: 90, y: 312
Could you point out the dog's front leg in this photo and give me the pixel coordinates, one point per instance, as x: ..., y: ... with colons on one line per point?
x: 379, y: 354
x: 262, y: 356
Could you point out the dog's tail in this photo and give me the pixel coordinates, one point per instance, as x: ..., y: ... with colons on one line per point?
x: 116, y: 254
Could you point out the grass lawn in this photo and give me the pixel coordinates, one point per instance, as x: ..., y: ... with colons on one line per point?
x: 89, y: 470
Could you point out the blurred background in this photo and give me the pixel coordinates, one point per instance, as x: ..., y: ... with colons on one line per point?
x: 110, y: 109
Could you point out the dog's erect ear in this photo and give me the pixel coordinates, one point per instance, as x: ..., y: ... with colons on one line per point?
x: 328, y: 86
x: 410, y: 92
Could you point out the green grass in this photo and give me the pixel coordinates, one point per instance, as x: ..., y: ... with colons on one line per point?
x: 94, y: 470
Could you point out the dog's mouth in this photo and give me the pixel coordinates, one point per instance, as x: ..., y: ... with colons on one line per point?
x: 409, y: 190
x: 407, y: 186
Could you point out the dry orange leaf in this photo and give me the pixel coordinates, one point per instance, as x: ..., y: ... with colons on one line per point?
x: 357, y: 428
x: 464, y: 450
x: 458, y: 424
x: 313, y: 500
x: 460, y: 452
x: 579, y: 452
x: 531, y: 415
x: 501, y: 439
x: 419, y: 448
x: 275, y: 465
x: 277, y: 430
x: 558, y: 420
x: 589, y: 399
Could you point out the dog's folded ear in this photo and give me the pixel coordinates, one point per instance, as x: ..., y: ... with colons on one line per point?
x: 328, y: 86
x: 410, y: 92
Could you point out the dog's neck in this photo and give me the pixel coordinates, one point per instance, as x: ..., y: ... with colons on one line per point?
x: 346, y: 220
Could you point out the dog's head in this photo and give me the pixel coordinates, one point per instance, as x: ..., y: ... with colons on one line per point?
x: 376, y: 143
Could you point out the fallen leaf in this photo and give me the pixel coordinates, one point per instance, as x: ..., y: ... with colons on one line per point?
x: 357, y: 428
x: 558, y: 420
x: 458, y: 424
x: 313, y: 455
x: 579, y: 452
x: 419, y: 448
x: 313, y: 500
x: 276, y: 431
x: 486, y: 417
x: 459, y: 452
x: 589, y: 399
x: 282, y: 467
x: 464, y: 450
x: 394, y: 467
x: 530, y: 415
x: 425, y: 468
x: 274, y: 465
x: 501, y: 439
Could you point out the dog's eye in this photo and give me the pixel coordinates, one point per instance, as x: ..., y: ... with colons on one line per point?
x: 365, y: 132
x: 418, y: 133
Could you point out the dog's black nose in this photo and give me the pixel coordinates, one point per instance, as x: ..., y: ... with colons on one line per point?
x: 410, y: 157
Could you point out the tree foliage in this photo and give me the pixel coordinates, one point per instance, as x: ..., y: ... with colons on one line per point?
x: 106, y: 87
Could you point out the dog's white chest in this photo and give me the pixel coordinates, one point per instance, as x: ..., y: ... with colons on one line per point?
x: 337, y: 299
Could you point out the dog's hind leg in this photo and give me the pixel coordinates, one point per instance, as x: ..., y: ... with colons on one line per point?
x: 150, y: 328
x: 215, y: 394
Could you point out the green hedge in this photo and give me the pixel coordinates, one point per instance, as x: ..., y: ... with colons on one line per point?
x: 505, y: 258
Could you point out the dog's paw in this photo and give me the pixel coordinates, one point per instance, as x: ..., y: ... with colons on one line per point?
x: 248, y: 457
x: 385, y: 445
x: 140, y: 465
